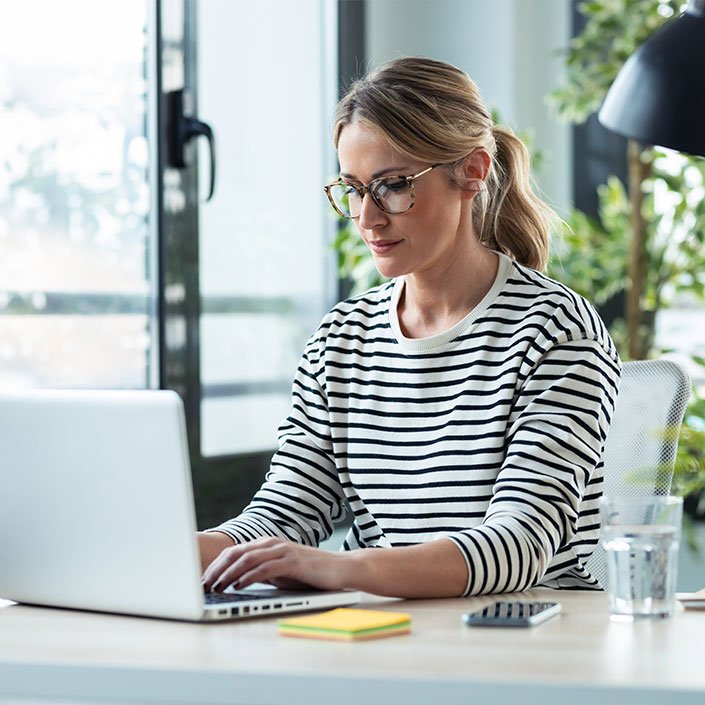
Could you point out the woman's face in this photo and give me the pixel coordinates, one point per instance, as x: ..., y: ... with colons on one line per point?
x: 426, y: 238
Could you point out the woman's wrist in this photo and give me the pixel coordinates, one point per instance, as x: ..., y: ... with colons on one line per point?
x: 354, y: 569
x: 210, y: 544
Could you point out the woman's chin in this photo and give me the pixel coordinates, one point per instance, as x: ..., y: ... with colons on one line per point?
x: 388, y: 269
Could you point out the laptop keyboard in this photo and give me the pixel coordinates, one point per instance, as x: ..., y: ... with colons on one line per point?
x: 216, y: 598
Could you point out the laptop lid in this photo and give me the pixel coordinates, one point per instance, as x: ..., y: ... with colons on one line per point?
x: 96, y: 506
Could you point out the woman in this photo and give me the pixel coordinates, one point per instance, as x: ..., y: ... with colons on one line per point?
x: 461, y: 410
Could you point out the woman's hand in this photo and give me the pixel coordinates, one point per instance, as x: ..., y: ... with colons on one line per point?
x: 277, y: 562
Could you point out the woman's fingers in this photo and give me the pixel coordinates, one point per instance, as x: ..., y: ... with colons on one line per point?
x: 256, y: 565
x: 266, y: 571
x: 275, y: 561
x: 237, y: 564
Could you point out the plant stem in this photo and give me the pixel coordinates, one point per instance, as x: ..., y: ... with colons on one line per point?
x: 639, y: 171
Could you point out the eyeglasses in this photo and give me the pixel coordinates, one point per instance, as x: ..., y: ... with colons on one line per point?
x: 391, y: 194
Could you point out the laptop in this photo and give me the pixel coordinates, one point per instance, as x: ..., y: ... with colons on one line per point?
x: 97, y: 512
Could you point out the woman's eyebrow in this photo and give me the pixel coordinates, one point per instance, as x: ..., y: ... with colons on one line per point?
x: 382, y: 172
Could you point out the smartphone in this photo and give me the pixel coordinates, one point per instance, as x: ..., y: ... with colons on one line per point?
x: 513, y: 614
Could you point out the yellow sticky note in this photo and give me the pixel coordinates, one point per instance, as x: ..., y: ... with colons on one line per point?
x: 347, y: 624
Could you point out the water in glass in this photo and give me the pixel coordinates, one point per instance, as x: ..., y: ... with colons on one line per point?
x: 642, y: 564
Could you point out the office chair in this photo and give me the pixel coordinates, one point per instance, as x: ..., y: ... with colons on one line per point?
x: 640, y: 450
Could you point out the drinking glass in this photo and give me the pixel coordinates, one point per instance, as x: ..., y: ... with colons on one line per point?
x: 641, y: 537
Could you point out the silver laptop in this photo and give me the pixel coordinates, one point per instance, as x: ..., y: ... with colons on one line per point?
x: 96, y: 510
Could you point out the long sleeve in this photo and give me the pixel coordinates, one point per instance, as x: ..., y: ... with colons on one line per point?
x: 555, y: 438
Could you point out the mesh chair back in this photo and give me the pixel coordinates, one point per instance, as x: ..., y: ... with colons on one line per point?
x: 640, y: 450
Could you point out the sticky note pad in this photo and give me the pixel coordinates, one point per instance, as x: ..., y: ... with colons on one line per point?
x: 347, y: 624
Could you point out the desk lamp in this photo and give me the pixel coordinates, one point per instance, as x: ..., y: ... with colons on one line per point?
x: 658, y: 96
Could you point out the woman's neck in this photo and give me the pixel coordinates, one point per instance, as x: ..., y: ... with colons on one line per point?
x: 434, y: 301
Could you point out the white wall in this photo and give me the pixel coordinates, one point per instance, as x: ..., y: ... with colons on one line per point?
x: 509, y: 47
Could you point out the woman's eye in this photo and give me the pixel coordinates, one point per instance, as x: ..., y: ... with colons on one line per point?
x: 396, y: 185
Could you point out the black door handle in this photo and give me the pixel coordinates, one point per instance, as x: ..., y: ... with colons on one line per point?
x: 179, y: 132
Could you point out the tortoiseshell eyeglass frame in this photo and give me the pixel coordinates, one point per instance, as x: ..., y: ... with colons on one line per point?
x: 370, y: 188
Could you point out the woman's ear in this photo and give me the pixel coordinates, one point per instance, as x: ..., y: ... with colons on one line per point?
x: 473, y: 171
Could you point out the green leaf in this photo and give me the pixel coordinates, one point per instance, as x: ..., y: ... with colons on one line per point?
x: 613, y: 30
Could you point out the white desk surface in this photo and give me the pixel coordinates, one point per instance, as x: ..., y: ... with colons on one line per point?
x: 52, y: 656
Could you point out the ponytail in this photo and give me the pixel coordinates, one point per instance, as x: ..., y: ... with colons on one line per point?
x: 508, y: 216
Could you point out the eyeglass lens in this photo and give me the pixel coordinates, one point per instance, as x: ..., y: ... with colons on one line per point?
x: 392, y: 195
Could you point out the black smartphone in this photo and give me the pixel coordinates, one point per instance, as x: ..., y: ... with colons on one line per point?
x: 513, y: 613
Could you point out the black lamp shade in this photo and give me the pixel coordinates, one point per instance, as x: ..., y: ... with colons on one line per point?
x: 659, y: 95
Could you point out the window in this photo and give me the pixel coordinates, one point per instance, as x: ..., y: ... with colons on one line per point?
x: 76, y: 283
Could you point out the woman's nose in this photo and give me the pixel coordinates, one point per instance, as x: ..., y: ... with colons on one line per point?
x: 371, y: 215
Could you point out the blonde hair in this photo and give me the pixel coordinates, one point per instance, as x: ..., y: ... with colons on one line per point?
x: 433, y: 112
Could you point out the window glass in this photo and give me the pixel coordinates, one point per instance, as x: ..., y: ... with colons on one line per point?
x: 75, y: 289
x: 265, y: 265
x: 680, y: 321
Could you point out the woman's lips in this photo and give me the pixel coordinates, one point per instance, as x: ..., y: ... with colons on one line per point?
x: 381, y: 247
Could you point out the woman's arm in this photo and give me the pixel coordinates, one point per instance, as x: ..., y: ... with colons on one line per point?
x: 551, y: 475
x: 434, y: 569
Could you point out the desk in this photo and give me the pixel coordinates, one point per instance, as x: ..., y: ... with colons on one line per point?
x: 48, y: 655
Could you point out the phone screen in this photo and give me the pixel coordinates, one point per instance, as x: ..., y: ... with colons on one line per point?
x: 513, y: 614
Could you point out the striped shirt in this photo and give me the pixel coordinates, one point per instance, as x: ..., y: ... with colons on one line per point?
x: 489, y: 434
